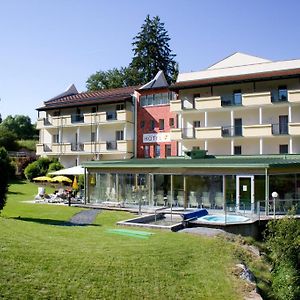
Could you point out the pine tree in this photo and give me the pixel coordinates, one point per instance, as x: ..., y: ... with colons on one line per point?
x: 152, y: 52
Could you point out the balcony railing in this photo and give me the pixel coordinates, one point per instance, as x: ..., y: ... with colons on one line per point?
x: 77, y: 118
x: 47, y: 148
x: 112, y: 145
x: 227, y: 101
x: 281, y: 128
x: 188, y: 133
x: 228, y: 131
x: 77, y: 147
x: 111, y: 115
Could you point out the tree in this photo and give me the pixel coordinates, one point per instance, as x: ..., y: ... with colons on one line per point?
x: 21, y: 126
x: 114, y: 78
x: 8, y: 139
x: 152, y: 52
x: 5, y: 171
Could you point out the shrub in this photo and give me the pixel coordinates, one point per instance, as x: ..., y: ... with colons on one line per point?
x: 5, y: 169
x: 285, y: 282
x: 55, y: 166
x: 33, y: 170
x: 283, y: 242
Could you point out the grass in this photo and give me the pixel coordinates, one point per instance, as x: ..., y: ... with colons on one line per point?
x: 41, y: 259
x: 28, y: 144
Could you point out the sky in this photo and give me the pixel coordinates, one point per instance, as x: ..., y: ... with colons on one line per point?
x: 45, y: 46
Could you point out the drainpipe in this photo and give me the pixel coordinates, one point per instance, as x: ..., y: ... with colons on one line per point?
x: 266, y: 192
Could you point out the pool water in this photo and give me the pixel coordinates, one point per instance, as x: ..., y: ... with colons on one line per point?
x: 222, y: 219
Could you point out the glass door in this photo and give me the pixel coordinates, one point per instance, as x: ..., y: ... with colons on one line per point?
x: 245, y: 192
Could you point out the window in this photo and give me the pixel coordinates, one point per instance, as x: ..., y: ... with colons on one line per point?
x: 196, y: 124
x: 161, y: 124
x: 119, y: 135
x: 143, y: 124
x: 146, y: 151
x: 282, y: 93
x: 237, y: 150
x: 120, y: 106
x: 283, y: 149
x: 156, y: 99
x: 168, y: 150
x: 152, y: 125
x: 55, y: 138
x: 237, y: 97
x: 238, y: 127
x: 93, y: 136
x: 157, y: 151
x: 171, y: 122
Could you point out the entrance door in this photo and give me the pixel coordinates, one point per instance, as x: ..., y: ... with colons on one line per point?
x: 245, y: 192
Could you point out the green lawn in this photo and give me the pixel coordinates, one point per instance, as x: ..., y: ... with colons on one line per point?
x: 41, y: 259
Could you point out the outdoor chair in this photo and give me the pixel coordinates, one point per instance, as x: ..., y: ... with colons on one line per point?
x: 193, y: 200
x: 219, y: 200
x: 170, y: 200
x: 160, y: 200
x: 205, y: 200
x: 180, y: 199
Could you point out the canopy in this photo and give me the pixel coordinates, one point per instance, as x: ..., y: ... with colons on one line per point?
x: 77, y: 170
x: 61, y: 179
x: 42, y: 178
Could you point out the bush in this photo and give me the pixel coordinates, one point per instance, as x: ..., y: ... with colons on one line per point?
x: 41, y: 167
x: 55, y: 166
x: 5, y: 169
x: 285, y: 282
x: 283, y: 242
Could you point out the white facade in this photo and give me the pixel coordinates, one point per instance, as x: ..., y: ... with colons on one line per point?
x: 77, y: 133
x: 250, y: 115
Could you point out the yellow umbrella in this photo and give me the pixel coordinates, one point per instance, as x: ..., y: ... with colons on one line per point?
x: 75, y: 184
x: 61, y: 179
x: 42, y: 178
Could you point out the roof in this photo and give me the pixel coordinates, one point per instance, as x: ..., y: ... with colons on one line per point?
x: 159, y: 81
x: 238, y: 67
x: 88, y: 98
x: 222, y: 162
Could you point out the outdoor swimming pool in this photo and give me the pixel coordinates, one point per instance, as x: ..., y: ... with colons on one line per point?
x: 223, y: 219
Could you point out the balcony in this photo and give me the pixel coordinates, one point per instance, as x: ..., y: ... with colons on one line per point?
x: 77, y: 118
x: 256, y: 99
x: 280, y: 129
x: 257, y: 130
x: 108, y: 117
x: 175, y: 105
x: 109, y: 146
x: 77, y: 147
x: 232, y: 131
x: 294, y: 96
x: 175, y: 134
x: 208, y: 132
x: 294, y: 128
x: 204, y: 103
x: 188, y: 133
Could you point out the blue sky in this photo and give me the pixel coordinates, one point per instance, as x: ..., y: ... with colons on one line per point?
x: 48, y: 45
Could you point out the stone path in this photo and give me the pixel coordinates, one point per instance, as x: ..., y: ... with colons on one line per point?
x: 84, y: 217
x: 204, y: 231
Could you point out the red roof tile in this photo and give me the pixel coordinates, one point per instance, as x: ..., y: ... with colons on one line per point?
x: 95, y: 97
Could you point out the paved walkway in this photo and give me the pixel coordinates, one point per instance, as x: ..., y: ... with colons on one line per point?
x: 204, y: 231
x: 85, y: 217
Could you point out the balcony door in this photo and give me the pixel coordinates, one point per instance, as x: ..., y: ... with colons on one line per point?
x: 238, y: 127
x: 283, y: 124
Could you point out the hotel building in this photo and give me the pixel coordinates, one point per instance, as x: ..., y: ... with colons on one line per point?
x: 76, y: 127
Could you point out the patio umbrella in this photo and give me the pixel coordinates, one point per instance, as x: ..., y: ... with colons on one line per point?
x: 61, y: 179
x: 42, y: 178
x: 75, y: 184
x: 77, y: 170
